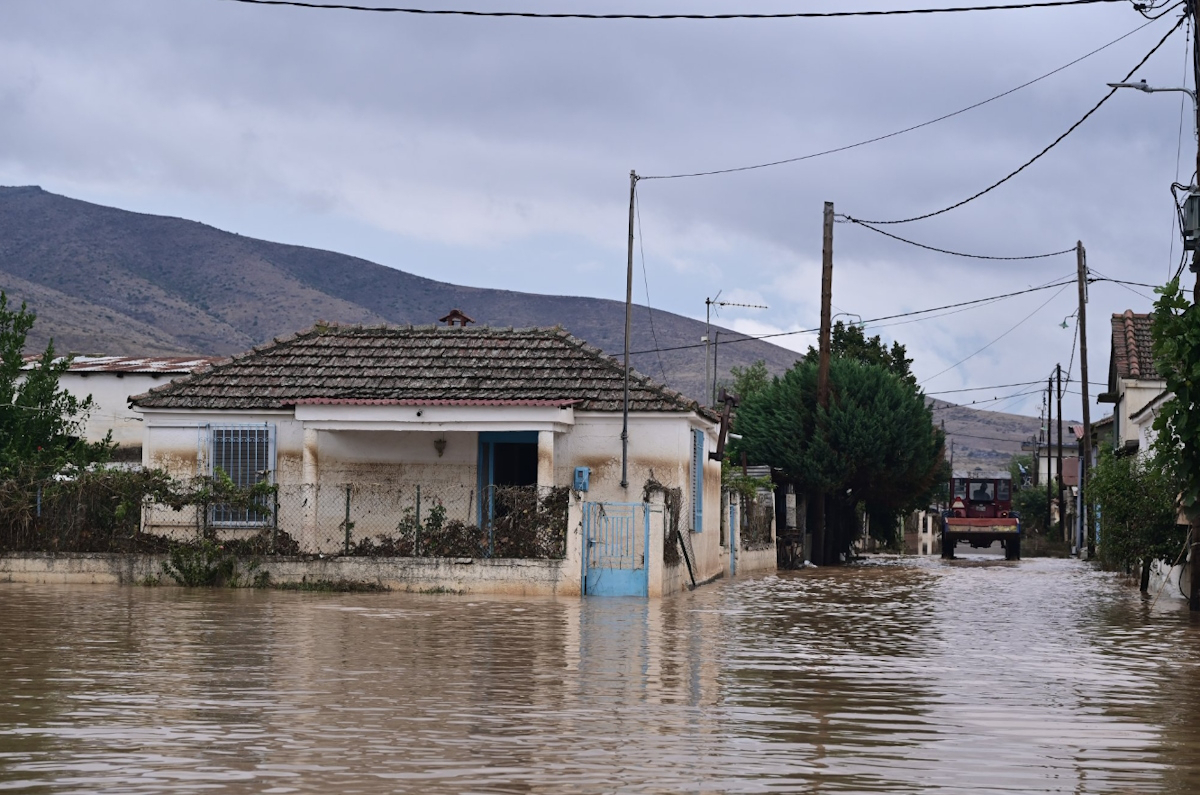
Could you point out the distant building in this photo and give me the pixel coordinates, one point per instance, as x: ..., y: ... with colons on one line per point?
x: 111, y: 381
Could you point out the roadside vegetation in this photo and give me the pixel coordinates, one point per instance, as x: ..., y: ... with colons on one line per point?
x: 876, y: 449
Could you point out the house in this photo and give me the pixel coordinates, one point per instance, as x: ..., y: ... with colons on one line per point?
x: 420, y: 442
x: 1133, y: 381
x: 110, y: 381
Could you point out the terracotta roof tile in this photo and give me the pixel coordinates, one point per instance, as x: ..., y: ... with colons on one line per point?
x: 1132, y: 346
x: 424, y: 363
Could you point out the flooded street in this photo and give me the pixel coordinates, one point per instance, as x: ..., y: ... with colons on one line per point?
x: 893, y: 676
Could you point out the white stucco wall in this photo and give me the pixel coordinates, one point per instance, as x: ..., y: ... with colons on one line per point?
x: 383, y: 451
x: 111, y: 393
x: 1133, y: 396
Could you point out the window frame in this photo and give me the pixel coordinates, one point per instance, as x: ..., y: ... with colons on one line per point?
x: 220, y: 514
x: 698, y: 480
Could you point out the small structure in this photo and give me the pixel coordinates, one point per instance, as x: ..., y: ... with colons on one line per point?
x: 110, y: 381
x: 455, y: 443
x: 456, y: 318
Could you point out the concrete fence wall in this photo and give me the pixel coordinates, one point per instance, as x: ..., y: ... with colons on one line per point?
x: 463, y: 575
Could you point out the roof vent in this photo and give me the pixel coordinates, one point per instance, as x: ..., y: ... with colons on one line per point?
x: 456, y: 318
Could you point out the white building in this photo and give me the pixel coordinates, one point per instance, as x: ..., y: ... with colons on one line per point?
x: 381, y: 432
x: 110, y: 381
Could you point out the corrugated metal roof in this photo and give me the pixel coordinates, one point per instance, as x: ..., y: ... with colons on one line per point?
x: 132, y: 364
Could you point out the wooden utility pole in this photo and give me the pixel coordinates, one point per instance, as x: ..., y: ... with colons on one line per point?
x: 819, y: 545
x: 1049, y: 453
x: 633, y: 178
x: 1062, y: 506
x: 1085, y: 454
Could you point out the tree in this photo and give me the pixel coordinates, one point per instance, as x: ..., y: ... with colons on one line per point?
x: 850, y: 342
x: 40, y: 423
x: 876, y: 446
x: 1175, y: 328
x: 1137, y: 511
x: 751, y: 379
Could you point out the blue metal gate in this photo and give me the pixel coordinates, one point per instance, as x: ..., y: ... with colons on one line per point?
x: 616, y: 542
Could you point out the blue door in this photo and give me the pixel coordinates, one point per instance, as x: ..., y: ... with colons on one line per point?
x: 616, y: 538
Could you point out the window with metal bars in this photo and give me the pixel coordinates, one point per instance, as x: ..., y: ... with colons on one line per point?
x: 246, y: 454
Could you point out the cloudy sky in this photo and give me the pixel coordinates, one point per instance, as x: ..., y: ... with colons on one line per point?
x: 497, y: 152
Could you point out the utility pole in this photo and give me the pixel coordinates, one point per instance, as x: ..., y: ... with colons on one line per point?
x: 633, y: 178
x: 1049, y: 451
x: 716, y: 351
x: 1085, y: 455
x: 1062, y: 507
x: 708, y: 305
x: 819, y: 545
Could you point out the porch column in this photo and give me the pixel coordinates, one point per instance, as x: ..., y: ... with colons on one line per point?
x: 545, y: 459
x: 309, y: 473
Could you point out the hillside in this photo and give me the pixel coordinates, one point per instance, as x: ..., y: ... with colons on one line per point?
x: 110, y: 281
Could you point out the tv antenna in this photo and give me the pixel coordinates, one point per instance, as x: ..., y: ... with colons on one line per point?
x: 709, y: 303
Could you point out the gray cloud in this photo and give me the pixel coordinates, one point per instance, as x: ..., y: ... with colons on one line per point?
x: 497, y: 151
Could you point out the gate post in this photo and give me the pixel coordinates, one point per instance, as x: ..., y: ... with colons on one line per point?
x: 575, y: 553
x: 655, y: 544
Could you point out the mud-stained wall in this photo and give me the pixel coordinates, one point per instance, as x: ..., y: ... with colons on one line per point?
x: 512, y: 577
x: 660, y: 447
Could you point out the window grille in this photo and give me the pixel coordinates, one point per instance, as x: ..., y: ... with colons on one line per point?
x: 246, y: 454
x: 697, y: 480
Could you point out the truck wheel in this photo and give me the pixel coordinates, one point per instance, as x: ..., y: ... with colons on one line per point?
x: 947, y: 546
x: 1012, y: 549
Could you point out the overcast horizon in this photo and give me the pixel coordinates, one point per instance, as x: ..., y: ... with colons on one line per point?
x: 496, y: 153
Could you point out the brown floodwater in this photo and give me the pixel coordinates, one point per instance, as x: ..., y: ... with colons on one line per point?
x: 892, y: 676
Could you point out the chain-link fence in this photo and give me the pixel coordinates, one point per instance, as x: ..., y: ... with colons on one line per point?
x: 114, y: 511
x: 423, y: 520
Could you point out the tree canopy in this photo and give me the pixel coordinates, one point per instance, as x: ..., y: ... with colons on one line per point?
x: 876, y: 445
x: 850, y: 342
x: 40, y: 423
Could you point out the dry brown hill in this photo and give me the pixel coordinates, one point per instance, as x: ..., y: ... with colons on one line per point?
x: 110, y: 281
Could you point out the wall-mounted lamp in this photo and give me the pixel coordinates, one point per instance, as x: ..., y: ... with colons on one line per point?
x: 439, y: 444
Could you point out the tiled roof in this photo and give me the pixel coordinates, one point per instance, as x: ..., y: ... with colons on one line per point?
x: 429, y: 364
x: 1132, y: 349
x: 131, y: 364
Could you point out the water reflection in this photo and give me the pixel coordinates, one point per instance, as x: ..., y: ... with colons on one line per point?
x: 983, y: 676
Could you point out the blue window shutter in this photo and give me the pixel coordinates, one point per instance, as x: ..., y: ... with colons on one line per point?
x: 697, y: 480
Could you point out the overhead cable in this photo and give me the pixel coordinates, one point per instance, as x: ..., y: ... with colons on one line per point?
x: 886, y: 136
x: 1042, y: 153
x: 1002, y: 336
x: 749, y: 338
x: 885, y: 233
x: 445, y: 12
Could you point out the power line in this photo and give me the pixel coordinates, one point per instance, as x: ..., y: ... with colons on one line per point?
x: 885, y: 233
x: 879, y: 138
x: 1002, y: 336
x: 749, y: 338
x: 1042, y: 153
x: 646, y: 278
x: 982, y: 388
x: 575, y: 15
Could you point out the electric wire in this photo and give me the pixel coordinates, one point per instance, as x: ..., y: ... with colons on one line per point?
x: 886, y: 233
x: 1187, y: 39
x: 750, y: 338
x: 1044, y: 151
x: 896, y: 133
x: 1002, y: 336
x: 637, y: 204
x: 1123, y: 284
x: 577, y: 15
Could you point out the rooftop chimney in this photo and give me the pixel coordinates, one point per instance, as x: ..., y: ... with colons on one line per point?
x: 456, y: 318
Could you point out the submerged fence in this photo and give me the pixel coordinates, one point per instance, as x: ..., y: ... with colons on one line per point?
x: 146, y: 512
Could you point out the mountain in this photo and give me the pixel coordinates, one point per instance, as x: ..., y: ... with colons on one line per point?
x: 104, y: 280
x: 110, y: 281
